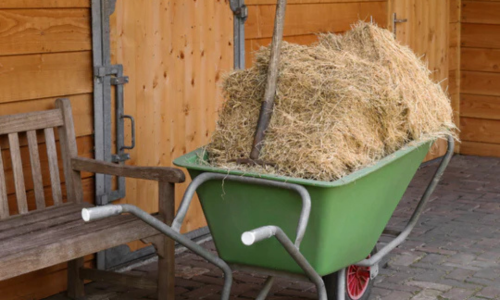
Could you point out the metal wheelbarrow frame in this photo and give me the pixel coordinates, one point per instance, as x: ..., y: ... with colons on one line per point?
x: 267, y: 232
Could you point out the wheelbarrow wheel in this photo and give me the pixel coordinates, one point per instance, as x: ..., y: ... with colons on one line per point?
x: 358, y: 283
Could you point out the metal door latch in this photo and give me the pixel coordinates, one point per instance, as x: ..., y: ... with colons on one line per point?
x: 395, y: 21
x: 119, y: 80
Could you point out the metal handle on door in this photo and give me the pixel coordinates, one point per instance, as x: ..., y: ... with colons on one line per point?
x: 395, y: 21
x: 132, y: 127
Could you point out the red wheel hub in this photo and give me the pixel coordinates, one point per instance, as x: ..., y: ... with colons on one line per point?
x: 358, y: 279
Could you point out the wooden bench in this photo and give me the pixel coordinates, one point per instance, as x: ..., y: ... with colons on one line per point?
x: 45, y: 236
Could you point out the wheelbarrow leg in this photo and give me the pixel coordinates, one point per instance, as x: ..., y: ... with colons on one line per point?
x: 250, y: 237
x: 370, y: 262
x: 267, y: 287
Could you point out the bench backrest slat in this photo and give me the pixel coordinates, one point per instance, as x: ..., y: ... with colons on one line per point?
x: 30, y: 121
x: 55, y: 182
x: 31, y: 124
x: 17, y: 168
x: 4, y: 204
x: 68, y: 151
x: 36, y: 170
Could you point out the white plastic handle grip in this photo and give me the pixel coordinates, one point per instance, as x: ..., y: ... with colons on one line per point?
x: 100, y: 212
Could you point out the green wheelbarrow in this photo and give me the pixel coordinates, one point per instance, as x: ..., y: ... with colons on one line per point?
x: 335, y: 226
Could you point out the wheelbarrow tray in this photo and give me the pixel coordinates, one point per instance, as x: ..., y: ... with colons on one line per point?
x: 347, y: 215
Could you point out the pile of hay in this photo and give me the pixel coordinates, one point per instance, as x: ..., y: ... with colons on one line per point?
x: 341, y: 104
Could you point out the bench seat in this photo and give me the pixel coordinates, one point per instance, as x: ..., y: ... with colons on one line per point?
x: 58, y: 234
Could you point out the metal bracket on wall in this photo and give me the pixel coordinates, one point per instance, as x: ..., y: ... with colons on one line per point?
x: 395, y: 22
x: 109, y: 81
x: 240, y: 12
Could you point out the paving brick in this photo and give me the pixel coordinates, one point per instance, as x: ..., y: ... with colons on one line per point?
x: 489, y: 293
x: 457, y: 294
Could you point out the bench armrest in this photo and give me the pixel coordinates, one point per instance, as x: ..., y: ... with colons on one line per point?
x: 168, y: 174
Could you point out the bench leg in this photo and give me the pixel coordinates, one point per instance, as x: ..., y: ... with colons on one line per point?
x: 166, y: 247
x: 166, y: 269
x: 75, y: 283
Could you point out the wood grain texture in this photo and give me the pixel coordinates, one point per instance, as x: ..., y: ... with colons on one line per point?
x: 166, y: 246
x: 29, y: 31
x: 273, y: 2
x: 45, y: 75
x: 455, y: 34
x: 69, y: 150
x: 82, y: 112
x: 480, y: 59
x: 30, y: 121
x: 49, y: 281
x: 481, y: 12
x: 85, y: 147
x: 480, y: 130
x: 36, y: 170
x: 55, y: 180
x: 40, y: 249
x: 4, y: 204
x: 481, y: 149
x: 314, y: 18
x: 17, y: 167
x: 480, y: 107
x: 167, y: 174
x: 480, y: 35
x: 480, y: 83
x: 455, y: 11
x: 76, y: 288
x: 430, y: 35
x: 175, y: 77
x: 44, y: 3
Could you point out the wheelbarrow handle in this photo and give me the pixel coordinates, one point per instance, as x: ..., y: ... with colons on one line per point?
x: 100, y: 212
x: 204, y: 177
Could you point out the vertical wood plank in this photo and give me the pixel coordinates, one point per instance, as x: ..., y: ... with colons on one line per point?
x: 68, y: 151
x: 4, y: 203
x: 55, y: 181
x: 17, y: 167
x: 36, y: 171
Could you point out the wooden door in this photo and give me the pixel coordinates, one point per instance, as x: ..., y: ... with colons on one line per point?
x: 426, y: 31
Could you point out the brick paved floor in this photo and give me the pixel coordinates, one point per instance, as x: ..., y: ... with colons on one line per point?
x: 453, y: 253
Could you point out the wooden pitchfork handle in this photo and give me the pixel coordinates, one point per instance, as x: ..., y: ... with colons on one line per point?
x: 266, y: 110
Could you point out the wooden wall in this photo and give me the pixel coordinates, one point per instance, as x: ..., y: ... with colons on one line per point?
x: 175, y: 53
x: 45, y: 53
x: 306, y: 18
x: 480, y: 73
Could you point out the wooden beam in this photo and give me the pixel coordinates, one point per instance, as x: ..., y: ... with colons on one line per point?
x: 480, y: 107
x: 45, y: 75
x: 308, y: 19
x: 480, y: 130
x: 168, y: 174
x: 44, y: 3
x: 480, y: 83
x: 29, y: 31
x: 480, y: 59
x: 481, y: 149
x: 481, y: 12
x: 30, y: 121
x: 273, y: 2
x: 480, y: 35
